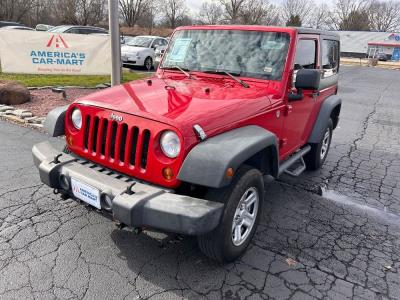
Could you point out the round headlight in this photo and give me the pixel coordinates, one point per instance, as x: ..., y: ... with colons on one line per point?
x: 170, y: 144
x: 76, y: 118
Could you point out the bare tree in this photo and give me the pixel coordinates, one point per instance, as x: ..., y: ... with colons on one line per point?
x: 302, y: 9
x: 320, y: 16
x: 66, y: 11
x: 41, y: 11
x: 272, y: 15
x: 210, y: 13
x: 384, y: 15
x: 90, y: 12
x: 149, y: 15
x: 232, y: 10
x: 357, y: 20
x: 174, y: 10
x: 80, y: 12
x: 344, y: 9
x: 294, y: 20
x: 133, y: 10
x: 15, y: 10
x: 256, y: 12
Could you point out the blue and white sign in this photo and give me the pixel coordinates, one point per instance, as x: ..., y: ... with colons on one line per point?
x: 394, y: 37
x: 396, y: 54
x: 54, y: 53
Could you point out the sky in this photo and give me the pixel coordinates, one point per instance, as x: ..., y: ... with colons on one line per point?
x: 194, y: 5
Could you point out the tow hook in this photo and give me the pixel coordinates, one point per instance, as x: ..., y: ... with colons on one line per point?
x: 56, y: 191
x: 56, y: 159
x: 129, y: 189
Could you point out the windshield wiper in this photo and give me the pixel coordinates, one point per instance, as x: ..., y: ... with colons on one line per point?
x: 231, y: 75
x: 184, y: 71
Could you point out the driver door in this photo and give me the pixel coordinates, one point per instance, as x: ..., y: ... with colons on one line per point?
x: 297, y: 122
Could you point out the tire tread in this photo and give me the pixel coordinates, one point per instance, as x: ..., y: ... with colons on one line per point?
x: 210, y: 243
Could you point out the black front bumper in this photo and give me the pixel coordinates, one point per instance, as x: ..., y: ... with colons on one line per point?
x: 146, y: 205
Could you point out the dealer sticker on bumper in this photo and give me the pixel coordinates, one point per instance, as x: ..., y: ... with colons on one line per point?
x: 86, y: 193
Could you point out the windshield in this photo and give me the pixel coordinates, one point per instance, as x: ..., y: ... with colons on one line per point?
x: 244, y: 53
x: 140, y: 41
x: 59, y: 29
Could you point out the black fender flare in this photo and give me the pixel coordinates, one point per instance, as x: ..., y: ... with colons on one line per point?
x: 327, y: 107
x: 54, y: 123
x: 207, y: 163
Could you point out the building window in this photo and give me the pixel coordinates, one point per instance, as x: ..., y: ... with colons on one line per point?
x: 330, y: 57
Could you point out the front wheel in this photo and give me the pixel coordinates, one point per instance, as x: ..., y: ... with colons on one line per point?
x: 243, y: 200
x: 318, y: 153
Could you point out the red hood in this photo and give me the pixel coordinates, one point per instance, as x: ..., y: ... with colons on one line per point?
x: 183, y: 102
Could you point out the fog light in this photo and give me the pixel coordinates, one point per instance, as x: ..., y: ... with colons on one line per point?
x: 64, y: 183
x: 168, y: 173
x: 106, y: 201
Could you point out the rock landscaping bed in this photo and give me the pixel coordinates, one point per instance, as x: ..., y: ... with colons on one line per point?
x: 44, y: 100
x: 20, y: 116
x: 33, y: 113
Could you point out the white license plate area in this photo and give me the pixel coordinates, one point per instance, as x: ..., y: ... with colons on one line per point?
x: 86, y: 193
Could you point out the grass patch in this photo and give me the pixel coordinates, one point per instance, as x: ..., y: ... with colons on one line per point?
x: 35, y: 80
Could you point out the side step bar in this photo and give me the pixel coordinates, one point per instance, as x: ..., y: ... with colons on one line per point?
x: 284, y: 167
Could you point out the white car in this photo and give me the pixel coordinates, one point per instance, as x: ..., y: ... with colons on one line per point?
x: 158, y: 54
x: 140, y: 50
x: 19, y: 27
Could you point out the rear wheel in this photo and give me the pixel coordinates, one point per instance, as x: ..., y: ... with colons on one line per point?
x: 243, y: 200
x: 318, y: 153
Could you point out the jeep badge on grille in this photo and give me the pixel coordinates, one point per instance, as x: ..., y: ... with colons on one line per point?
x: 115, y: 117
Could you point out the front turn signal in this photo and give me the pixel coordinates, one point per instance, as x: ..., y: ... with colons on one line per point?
x: 70, y: 140
x: 167, y: 173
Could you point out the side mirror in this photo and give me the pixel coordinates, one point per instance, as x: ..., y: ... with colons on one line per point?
x: 306, y: 79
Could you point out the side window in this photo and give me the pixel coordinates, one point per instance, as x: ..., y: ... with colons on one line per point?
x: 73, y: 30
x: 306, y: 54
x: 94, y: 30
x: 330, y: 57
x: 157, y: 42
x: 85, y: 31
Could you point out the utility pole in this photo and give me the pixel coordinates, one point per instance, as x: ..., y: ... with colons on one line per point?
x: 113, y: 17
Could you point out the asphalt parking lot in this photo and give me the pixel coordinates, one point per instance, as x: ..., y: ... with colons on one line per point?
x: 343, y: 244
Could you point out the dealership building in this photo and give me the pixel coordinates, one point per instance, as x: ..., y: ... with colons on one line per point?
x: 363, y: 44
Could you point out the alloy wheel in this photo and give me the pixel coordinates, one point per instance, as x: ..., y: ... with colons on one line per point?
x: 245, y: 216
x: 325, y: 143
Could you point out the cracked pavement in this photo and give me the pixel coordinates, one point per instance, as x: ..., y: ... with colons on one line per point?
x: 342, y: 245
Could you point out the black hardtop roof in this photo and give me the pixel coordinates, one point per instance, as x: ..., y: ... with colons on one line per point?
x: 304, y: 30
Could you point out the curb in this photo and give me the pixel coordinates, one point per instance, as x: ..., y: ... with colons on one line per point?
x: 97, y: 87
x: 22, y: 116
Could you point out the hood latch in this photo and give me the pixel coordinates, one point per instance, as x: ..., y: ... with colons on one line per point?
x: 199, y: 132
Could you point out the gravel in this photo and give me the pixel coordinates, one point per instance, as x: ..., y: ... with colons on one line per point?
x: 42, y: 101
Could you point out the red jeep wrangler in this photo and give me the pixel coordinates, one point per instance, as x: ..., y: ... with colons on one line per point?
x: 186, y: 151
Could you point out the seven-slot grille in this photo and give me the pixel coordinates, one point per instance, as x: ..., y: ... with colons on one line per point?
x: 114, y: 141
